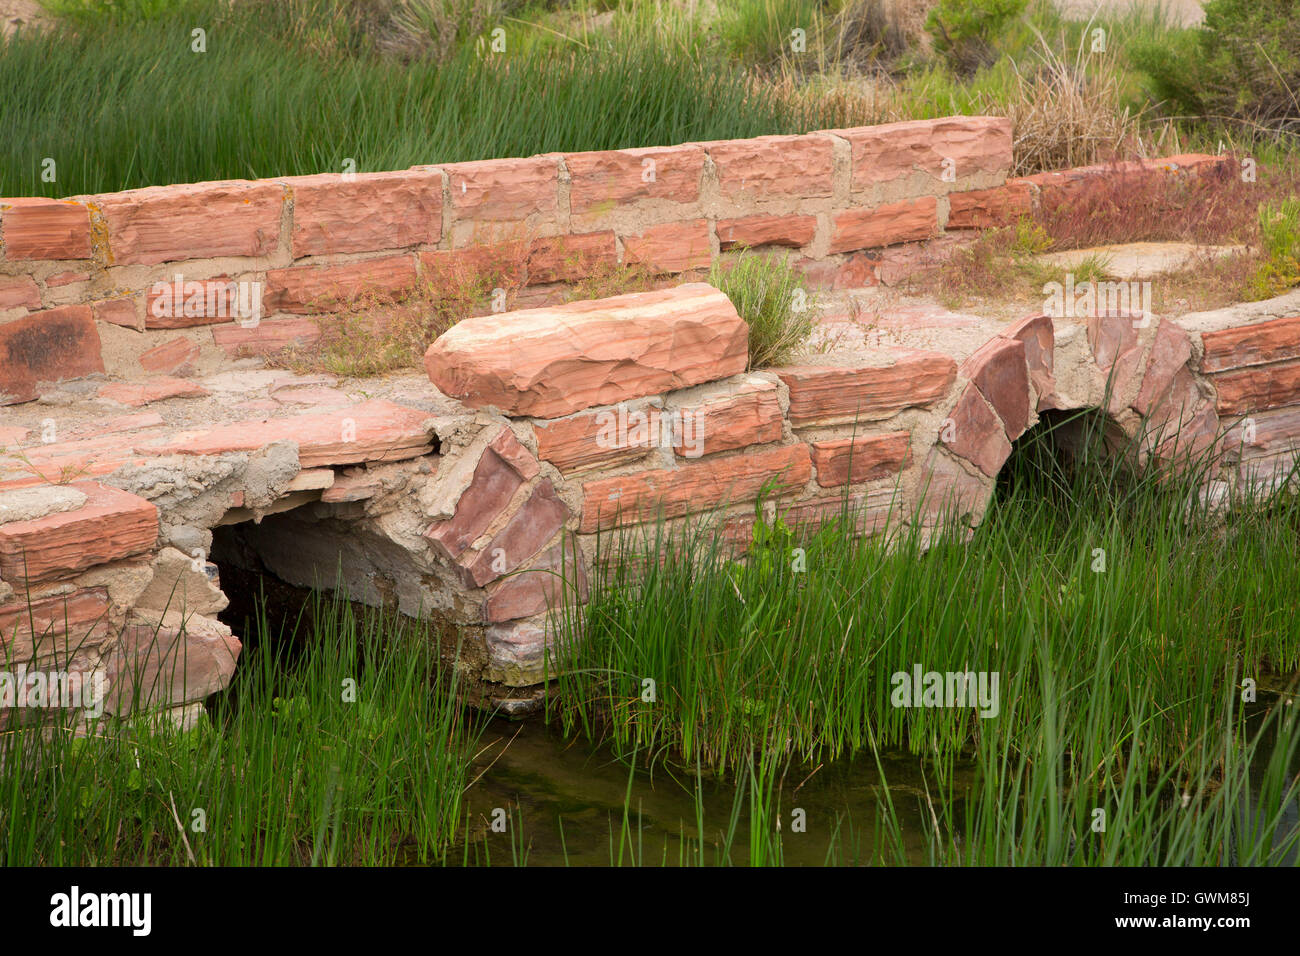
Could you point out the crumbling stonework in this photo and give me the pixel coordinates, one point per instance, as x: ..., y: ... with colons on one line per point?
x: 475, y: 493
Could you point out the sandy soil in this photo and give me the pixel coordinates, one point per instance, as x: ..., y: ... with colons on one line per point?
x: 1185, y: 12
x: 16, y: 13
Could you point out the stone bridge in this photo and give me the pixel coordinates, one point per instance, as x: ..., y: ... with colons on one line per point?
x: 144, y: 442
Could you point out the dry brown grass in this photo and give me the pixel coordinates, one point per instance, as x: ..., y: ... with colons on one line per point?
x: 375, y: 335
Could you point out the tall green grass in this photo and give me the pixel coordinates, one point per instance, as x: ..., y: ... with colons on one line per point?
x: 1122, y: 615
x: 766, y: 654
x: 296, y: 765
x: 129, y: 104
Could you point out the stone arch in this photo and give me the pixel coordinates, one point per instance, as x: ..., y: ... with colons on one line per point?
x: 1137, y: 371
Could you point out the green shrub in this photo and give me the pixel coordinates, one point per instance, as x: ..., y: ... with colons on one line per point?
x: 772, y: 297
x: 965, y: 31
x: 1242, y: 66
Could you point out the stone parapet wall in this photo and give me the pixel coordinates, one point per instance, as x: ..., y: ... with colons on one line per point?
x: 112, y: 278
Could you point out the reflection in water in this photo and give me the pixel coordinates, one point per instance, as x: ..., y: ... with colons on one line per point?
x: 571, y: 797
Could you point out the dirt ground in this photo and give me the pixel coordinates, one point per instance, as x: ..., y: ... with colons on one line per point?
x: 1184, y: 12
x: 16, y: 13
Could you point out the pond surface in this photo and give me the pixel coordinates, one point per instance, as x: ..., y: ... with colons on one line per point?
x: 565, y: 802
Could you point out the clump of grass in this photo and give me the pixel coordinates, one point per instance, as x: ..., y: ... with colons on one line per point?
x: 1279, y: 229
x: 290, y: 769
x: 772, y: 297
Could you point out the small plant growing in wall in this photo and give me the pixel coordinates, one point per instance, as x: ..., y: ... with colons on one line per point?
x: 773, y: 299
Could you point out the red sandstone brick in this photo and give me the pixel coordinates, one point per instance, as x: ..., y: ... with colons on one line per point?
x: 537, y: 521
x: 767, y: 231
x: 48, y: 346
x: 54, y: 625
x: 268, y: 335
x: 111, y: 525
x: 45, y: 229
x: 184, y: 303
x: 673, y: 247
x: 170, y: 357
x: 19, y: 292
x: 750, y: 417
x: 602, y: 181
x: 999, y: 371
x: 365, y: 212
x: 151, y: 390
x: 885, y: 225
x: 376, y: 430
x: 491, y: 489
x: 974, y: 144
x: 869, y: 456
x: 192, y: 221
x: 307, y: 289
x: 1256, y: 344
x: 774, y: 167
x: 1038, y: 336
x: 514, y: 454
x: 698, y: 486
x: 503, y: 190
x: 556, y: 577
x: 1258, y: 388
x: 571, y: 258
x: 65, y: 278
x: 1170, y: 351
x: 825, y: 395
x: 117, y: 312
x: 986, y: 208
x: 586, y: 439
x: 974, y: 432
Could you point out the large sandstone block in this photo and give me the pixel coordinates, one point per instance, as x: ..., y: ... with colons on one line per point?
x: 163, y: 666
x: 48, y: 346
x: 1256, y: 344
x: 999, y: 371
x: 307, y: 289
x: 600, y: 181
x: 1258, y: 388
x: 192, y: 221
x: 826, y: 395
x: 905, y: 221
x: 111, y: 525
x: 699, y: 486
x: 774, y: 167
x: 365, y: 212
x: 1038, y: 336
x: 376, y: 430
x: 45, y: 229
x: 54, y: 626
x: 548, y: 363
x: 969, y: 145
